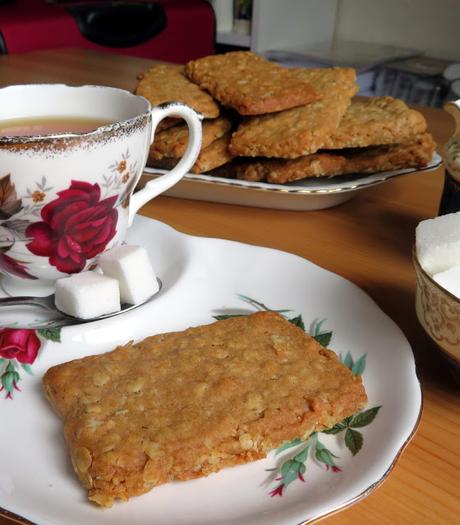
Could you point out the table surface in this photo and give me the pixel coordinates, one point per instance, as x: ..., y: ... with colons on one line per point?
x: 367, y: 240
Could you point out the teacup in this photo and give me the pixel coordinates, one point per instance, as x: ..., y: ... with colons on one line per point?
x: 67, y: 197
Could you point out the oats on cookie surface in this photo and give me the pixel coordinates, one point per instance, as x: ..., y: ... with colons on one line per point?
x: 249, y: 83
x: 213, y: 156
x: 173, y: 141
x: 166, y: 83
x: 375, y: 121
x: 301, y: 130
x: 414, y: 154
x: 181, y: 405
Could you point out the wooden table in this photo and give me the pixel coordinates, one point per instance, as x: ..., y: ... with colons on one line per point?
x: 367, y: 240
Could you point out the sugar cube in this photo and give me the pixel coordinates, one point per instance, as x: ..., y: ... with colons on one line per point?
x: 131, y: 266
x: 450, y: 280
x: 437, y: 243
x: 87, y: 294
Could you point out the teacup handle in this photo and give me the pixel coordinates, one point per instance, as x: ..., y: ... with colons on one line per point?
x: 156, y: 186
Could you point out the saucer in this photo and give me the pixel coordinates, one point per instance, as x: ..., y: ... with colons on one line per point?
x: 203, y: 279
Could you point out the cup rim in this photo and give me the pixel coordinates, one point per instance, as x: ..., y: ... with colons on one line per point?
x: 429, y: 278
x: 113, y: 126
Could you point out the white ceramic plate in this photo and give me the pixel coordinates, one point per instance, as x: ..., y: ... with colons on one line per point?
x: 202, y: 277
x: 308, y: 194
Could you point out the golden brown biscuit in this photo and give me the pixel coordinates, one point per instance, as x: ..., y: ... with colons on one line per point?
x: 214, y: 156
x: 167, y: 123
x: 249, y: 83
x: 211, y: 157
x: 166, y: 83
x: 375, y: 121
x: 173, y: 141
x: 181, y: 405
x: 415, y: 154
x: 302, y: 130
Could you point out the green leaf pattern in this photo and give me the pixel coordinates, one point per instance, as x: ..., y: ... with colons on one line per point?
x: 288, y: 445
x: 353, y: 440
x: 51, y: 334
x: 294, y: 468
x: 364, y: 418
x: 297, y: 321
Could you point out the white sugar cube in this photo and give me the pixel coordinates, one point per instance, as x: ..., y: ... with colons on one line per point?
x: 87, y: 294
x: 437, y: 243
x: 450, y: 280
x: 131, y: 266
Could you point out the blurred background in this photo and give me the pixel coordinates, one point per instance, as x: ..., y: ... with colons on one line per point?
x: 404, y: 48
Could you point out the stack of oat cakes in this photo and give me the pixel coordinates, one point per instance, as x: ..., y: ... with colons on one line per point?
x: 264, y: 122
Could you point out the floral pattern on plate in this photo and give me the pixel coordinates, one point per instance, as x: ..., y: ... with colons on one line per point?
x: 200, y: 276
x: 18, y: 350
x: 294, y: 468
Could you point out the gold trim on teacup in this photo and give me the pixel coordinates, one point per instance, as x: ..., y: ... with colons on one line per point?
x: 67, y: 140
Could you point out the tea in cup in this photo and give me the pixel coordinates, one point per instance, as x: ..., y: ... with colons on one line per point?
x: 70, y: 158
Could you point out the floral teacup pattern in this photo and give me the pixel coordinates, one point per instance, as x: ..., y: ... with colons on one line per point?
x: 76, y: 227
x: 69, y: 230
x: 67, y: 197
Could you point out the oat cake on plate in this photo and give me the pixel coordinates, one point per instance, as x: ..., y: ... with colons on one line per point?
x: 181, y: 405
x: 301, y: 130
x: 249, y: 83
x: 375, y: 121
x: 414, y: 154
x: 172, y: 142
x: 213, y: 156
x: 165, y: 83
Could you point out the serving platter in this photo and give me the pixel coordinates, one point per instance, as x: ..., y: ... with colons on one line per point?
x: 204, y: 278
x: 307, y: 194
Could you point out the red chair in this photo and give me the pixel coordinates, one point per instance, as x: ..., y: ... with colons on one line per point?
x: 171, y: 30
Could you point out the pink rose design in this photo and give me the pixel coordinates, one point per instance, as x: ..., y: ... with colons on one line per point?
x: 22, y: 345
x: 76, y: 227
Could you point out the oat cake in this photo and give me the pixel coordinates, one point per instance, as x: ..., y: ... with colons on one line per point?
x: 249, y: 83
x: 172, y: 142
x: 302, y: 130
x: 166, y: 83
x: 215, y: 155
x: 211, y: 157
x: 376, y: 121
x: 414, y: 154
x: 182, y: 405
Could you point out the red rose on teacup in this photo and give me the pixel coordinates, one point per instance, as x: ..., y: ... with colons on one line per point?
x: 22, y: 345
x: 76, y: 227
